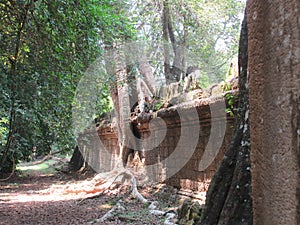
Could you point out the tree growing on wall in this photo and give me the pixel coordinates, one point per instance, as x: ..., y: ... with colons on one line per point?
x: 120, y: 70
x: 209, y: 29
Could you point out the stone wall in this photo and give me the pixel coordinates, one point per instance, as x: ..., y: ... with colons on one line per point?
x: 99, y: 147
x: 184, y: 171
x: 174, y: 157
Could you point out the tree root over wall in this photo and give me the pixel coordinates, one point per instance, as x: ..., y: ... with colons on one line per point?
x: 100, y: 183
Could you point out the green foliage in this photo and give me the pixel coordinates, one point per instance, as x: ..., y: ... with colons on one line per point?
x: 214, y: 33
x: 226, y: 86
x: 231, y: 101
x: 158, y: 104
x: 45, y: 47
x: 204, y: 81
x: 3, y: 130
x: 209, y: 30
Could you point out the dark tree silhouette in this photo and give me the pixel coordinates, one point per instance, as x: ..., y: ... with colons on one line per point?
x: 229, y: 195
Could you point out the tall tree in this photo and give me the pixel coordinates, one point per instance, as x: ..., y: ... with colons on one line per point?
x: 45, y: 48
x: 274, y: 66
x: 208, y: 29
x: 228, y: 198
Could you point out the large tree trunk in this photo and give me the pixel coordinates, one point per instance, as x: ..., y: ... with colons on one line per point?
x: 121, y: 101
x: 116, y: 66
x: 165, y: 31
x: 229, y: 196
x: 274, y: 65
x: 175, y: 71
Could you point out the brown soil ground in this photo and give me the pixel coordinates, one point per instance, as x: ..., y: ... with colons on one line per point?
x: 26, y: 199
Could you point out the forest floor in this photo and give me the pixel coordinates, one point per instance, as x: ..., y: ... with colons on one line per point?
x: 29, y: 199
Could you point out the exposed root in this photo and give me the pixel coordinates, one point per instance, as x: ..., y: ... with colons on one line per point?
x: 96, y: 186
x: 116, y: 212
x: 100, y: 183
x: 135, y: 191
x: 109, y: 214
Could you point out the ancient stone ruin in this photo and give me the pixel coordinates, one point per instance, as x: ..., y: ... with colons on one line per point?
x: 183, y: 165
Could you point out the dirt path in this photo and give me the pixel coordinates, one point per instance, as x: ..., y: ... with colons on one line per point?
x: 22, y: 203
x: 27, y: 200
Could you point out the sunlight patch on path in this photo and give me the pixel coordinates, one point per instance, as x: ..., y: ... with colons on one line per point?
x: 35, y: 196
